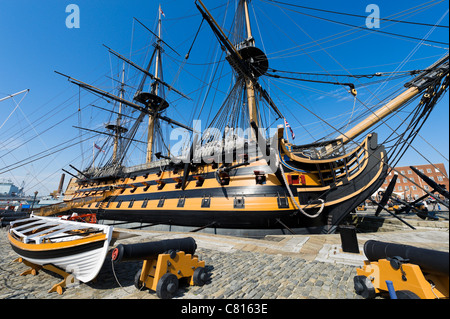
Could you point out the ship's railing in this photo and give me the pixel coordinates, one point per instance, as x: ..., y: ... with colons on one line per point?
x: 347, y: 167
x: 104, y: 171
x: 160, y: 163
x: 334, y: 168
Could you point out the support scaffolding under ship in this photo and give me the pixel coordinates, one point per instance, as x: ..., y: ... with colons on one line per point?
x: 261, y: 183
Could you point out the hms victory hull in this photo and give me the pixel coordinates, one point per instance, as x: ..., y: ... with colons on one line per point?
x: 223, y: 177
x: 246, y: 201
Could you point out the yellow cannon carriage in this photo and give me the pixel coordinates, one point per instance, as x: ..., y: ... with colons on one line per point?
x: 165, y: 262
x: 405, y: 272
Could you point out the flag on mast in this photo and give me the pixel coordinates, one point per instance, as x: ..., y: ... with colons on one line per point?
x: 99, y: 148
x: 160, y: 10
x: 290, y: 128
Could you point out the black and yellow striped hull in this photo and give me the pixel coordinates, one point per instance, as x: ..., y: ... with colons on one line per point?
x: 156, y: 196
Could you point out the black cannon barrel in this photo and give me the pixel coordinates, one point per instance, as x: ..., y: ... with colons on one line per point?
x: 13, y: 218
x: 10, y: 213
x: 432, y: 261
x: 148, y: 250
x: 10, y: 218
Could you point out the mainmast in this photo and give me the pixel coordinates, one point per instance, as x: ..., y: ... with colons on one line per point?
x: 246, y: 59
x: 155, y: 91
x: 118, y: 128
x: 252, y: 110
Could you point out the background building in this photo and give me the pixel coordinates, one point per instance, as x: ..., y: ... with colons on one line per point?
x: 410, y: 186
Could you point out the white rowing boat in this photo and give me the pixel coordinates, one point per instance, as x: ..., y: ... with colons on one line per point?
x: 76, y: 248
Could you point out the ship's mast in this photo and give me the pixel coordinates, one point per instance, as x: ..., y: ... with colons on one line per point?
x: 248, y: 61
x: 155, y: 91
x: 150, y: 104
x: 252, y: 110
x: 117, y: 131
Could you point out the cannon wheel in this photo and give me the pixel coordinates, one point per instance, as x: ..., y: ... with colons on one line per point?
x: 364, y: 287
x: 137, y: 283
x: 167, y: 286
x: 406, y: 294
x: 200, y: 277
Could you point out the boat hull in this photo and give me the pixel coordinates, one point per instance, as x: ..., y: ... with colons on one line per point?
x: 81, y: 257
x: 244, y: 204
x: 355, y: 191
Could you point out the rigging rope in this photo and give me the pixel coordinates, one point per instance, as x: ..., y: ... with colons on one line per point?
x: 351, y: 115
x: 12, y: 112
x: 361, y: 16
x: 22, y: 163
x: 324, y: 40
x: 349, y: 72
x: 367, y: 29
x: 295, y: 201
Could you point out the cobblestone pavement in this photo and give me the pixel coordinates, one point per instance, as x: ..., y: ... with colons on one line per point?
x: 233, y: 274
x: 281, y: 267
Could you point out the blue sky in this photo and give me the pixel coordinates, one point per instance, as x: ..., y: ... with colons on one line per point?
x: 35, y: 42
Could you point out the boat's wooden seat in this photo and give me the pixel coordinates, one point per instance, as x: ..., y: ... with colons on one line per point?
x: 65, y: 228
x: 45, y: 229
x: 33, y: 222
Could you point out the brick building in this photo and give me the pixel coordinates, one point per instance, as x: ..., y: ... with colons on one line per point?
x: 410, y: 186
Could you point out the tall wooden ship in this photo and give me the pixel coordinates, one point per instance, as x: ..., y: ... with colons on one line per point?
x: 224, y: 181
